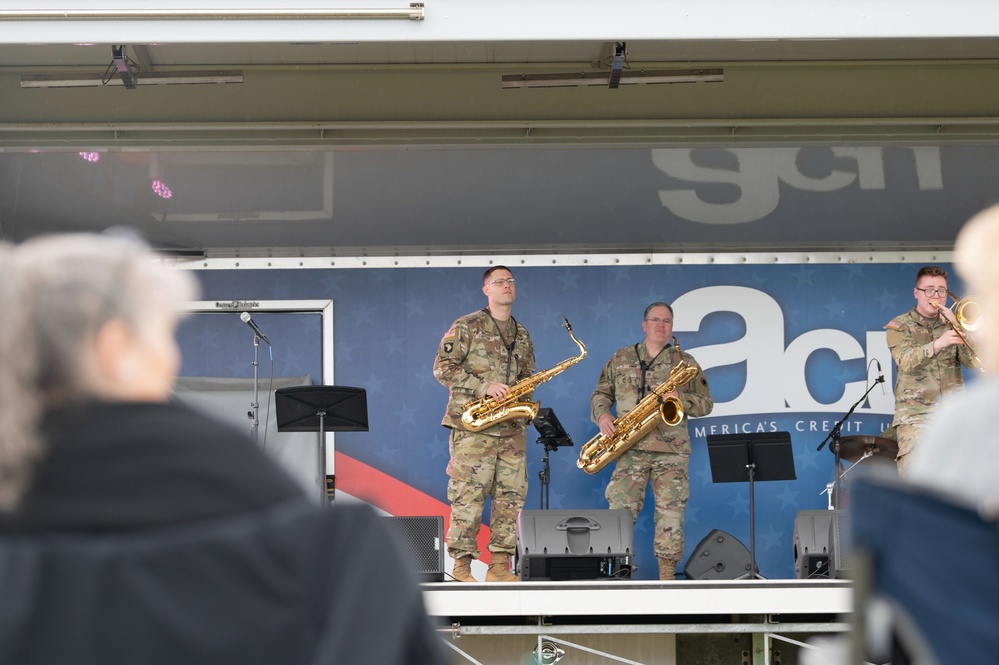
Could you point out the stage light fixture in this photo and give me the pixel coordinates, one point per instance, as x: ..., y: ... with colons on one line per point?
x: 602, y: 79
x: 121, y: 65
x: 125, y: 71
x: 139, y: 78
x: 617, y: 65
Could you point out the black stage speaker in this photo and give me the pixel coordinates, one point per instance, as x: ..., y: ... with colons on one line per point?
x: 719, y: 556
x: 574, y: 544
x: 421, y: 545
x: 811, y: 543
x: 839, y: 545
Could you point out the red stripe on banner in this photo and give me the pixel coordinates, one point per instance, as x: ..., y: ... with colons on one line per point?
x: 394, y: 496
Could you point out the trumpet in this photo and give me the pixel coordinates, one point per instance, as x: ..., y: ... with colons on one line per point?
x: 967, y: 316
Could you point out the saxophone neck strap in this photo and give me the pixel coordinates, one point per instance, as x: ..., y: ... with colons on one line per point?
x: 646, y: 366
x: 516, y: 330
x: 509, y: 345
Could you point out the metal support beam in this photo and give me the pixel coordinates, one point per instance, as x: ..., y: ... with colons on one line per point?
x: 285, y: 135
x: 464, y: 630
x: 414, y: 12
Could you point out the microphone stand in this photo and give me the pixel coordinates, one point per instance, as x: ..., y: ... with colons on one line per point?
x: 255, y: 404
x: 834, y: 436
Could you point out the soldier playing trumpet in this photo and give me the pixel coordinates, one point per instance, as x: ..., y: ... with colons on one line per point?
x: 661, y: 456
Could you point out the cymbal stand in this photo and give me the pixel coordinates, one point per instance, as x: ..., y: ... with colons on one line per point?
x: 829, y: 486
x: 834, y: 436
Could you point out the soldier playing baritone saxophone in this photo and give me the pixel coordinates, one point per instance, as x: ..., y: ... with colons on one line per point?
x: 484, y: 353
x: 661, y: 456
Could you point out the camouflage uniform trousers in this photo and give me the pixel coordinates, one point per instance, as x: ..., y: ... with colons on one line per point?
x: 907, y: 436
x: 484, y: 466
x: 670, y: 490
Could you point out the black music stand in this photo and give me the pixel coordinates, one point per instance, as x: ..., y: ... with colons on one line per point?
x: 321, y: 409
x: 736, y: 458
x: 553, y: 436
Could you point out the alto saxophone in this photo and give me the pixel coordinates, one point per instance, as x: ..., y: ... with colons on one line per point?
x: 654, y: 409
x: 488, y: 411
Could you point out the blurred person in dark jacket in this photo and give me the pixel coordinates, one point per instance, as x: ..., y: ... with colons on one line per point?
x: 135, y: 530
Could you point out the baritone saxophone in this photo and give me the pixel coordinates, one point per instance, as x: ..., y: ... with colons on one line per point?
x: 653, y: 409
x: 488, y: 411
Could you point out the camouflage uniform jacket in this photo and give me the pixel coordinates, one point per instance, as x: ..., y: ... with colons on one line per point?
x: 472, y: 354
x: 922, y: 376
x: 621, y: 382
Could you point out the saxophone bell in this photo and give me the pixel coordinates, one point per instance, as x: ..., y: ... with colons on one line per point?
x: 671, y: 411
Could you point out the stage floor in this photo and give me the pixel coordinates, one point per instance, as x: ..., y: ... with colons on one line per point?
x: 681, y: 606
x: 638, y: 621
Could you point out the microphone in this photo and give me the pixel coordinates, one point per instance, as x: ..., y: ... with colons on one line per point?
x: 881, y: 377
x: 245, y: 318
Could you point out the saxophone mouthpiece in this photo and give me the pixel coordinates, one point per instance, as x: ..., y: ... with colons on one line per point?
x: 566, y: 324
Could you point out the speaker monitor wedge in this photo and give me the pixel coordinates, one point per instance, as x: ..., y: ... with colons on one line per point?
x: 719, y: 556
x: 811, y: 543
x: 574, y: 544
x: 421, y: 544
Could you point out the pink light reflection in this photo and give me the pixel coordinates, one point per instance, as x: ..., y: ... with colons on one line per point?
x: 161, y: 189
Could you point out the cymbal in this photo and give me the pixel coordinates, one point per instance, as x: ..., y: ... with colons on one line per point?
x: 852, y: 448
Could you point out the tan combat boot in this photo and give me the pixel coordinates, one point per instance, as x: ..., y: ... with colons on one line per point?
x: 499, y: 570
x: 463, y: 570
x: 667, y: 569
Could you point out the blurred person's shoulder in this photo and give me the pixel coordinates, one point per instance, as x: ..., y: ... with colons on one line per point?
x: 956, y: 451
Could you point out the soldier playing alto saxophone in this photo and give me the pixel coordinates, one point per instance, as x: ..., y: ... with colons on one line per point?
x: 661, y: 456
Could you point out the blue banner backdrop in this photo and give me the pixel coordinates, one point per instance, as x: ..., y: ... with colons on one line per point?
x: 785, y: 348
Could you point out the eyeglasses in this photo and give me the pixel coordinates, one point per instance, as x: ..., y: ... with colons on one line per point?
x: 655, y: 320
x: 500, y: 282
x: 929, y: 293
